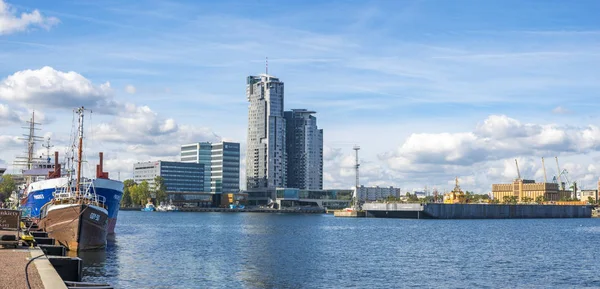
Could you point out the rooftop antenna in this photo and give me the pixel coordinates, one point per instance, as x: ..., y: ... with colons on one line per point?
x: 48, y: 146
x: 267, y: 65
x: 356, y: 205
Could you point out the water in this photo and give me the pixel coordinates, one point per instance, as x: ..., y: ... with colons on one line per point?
x: 257, y: 250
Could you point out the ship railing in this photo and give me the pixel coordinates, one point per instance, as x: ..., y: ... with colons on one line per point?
x: 69, y: 196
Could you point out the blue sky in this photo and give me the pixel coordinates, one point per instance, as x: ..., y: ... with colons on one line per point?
x: 379, y: 73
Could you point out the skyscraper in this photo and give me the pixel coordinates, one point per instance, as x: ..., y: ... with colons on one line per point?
x: 265, y: 157
x: 304, y: 147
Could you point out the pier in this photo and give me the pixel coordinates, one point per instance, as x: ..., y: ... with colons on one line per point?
x: 30, y: 259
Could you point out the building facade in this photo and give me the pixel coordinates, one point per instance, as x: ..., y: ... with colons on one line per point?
x: 529, y: 190
x: 376, y: 193
x: 199, y: 153
x: 304, y: 148
x: 266, y: 152
x: 177, y: 176
x: 225, y: 168
x: 221, y: 162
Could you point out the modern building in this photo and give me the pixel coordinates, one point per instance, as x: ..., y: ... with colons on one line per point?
x: 177, y: 176
x: 304, y: 148
x: 376, y: 193
x: 296, y: 198
x: 266, y: 152
x: 221, y: 162
x: 199, y: 153
x: 225, y: 168
x: 529, y: 189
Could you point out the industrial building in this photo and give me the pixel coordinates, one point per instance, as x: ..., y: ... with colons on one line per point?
x: 266, y: 152
x: 177, y: 176
x: 520, y: 189
x: 221, y: 162
x: 304, y: 148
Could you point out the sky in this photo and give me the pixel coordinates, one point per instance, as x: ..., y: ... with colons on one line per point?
x: 429, y: 90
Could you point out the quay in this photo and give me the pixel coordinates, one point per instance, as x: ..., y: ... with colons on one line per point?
x: 245, y: 210
x: 30, y: 259
x: 475, y: 211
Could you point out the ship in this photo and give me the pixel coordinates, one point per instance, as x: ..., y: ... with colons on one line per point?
x: 76, y: 217
x: 42, y: 180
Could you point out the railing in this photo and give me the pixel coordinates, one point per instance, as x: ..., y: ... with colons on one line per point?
x: 87, y: 193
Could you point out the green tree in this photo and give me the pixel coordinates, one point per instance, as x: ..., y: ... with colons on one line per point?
x: 527, y: 200
x: 591, y: 200
x: 126, y: 199
x: 7, y: 187
x: 142, y: 192
x: 160, y: 190
x: 540, y: 199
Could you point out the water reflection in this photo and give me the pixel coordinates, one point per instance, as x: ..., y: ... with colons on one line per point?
x: 95, y: 262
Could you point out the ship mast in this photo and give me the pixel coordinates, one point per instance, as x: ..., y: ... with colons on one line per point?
x: 79, y: 111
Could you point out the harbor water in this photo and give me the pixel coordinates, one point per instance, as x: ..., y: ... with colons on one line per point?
x: 262, y: 250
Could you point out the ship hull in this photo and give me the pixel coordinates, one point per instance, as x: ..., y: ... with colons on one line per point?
x: 78, y: 227
x: 41, y: 192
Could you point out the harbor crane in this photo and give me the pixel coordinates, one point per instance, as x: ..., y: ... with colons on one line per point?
x: 544, y: 166
x: 518, y: 172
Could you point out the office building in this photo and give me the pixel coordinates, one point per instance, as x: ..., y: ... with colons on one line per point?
x: 199, y: 153
x: 221, y: 162
x: 177, y: 176
x: 225, y: 168
x: 266, y: 156
x: 304, y: 148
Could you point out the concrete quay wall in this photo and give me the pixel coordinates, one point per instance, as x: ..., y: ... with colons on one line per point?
x: 489, y: 211
x: 475, y: 211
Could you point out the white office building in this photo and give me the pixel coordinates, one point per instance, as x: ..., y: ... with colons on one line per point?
x: 221, y: 164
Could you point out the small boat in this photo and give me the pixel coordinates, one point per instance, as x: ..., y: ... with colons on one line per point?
x: 76, y: 217
x: 167, y: 207
x: 149, y: 207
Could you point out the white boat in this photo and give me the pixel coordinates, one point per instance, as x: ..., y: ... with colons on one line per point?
x: 167, y: 207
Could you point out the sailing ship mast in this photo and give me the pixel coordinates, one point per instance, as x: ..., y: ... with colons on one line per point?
x: 79, y: 111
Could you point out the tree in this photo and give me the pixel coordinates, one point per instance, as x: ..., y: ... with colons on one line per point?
x: 540, y: 199
x: 527, y: 199
x: 126, y: 199
x: 510, y: 200
x: 160, y: 189
x: 140, y: 193
x: 591, y: 200
x: 7, y: 187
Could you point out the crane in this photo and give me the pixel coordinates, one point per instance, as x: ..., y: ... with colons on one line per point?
x: 544, y: 166
x: 558, y: 173
x: 518, y: 172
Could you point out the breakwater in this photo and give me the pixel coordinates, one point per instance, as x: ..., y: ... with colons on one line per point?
x: 475, y: 211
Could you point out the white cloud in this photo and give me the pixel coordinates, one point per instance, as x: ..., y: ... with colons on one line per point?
x: 130, y: 89
x: 11, y: 22
x: 7, y: 141
x: 48, y: 87
x: 7, y: 115
x: 561, y: 110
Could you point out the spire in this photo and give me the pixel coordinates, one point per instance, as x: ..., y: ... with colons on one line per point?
x: 267, y: 65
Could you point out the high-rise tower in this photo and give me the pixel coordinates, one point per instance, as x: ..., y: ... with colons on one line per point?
x: 265, y: 155
x: 304, y: 147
